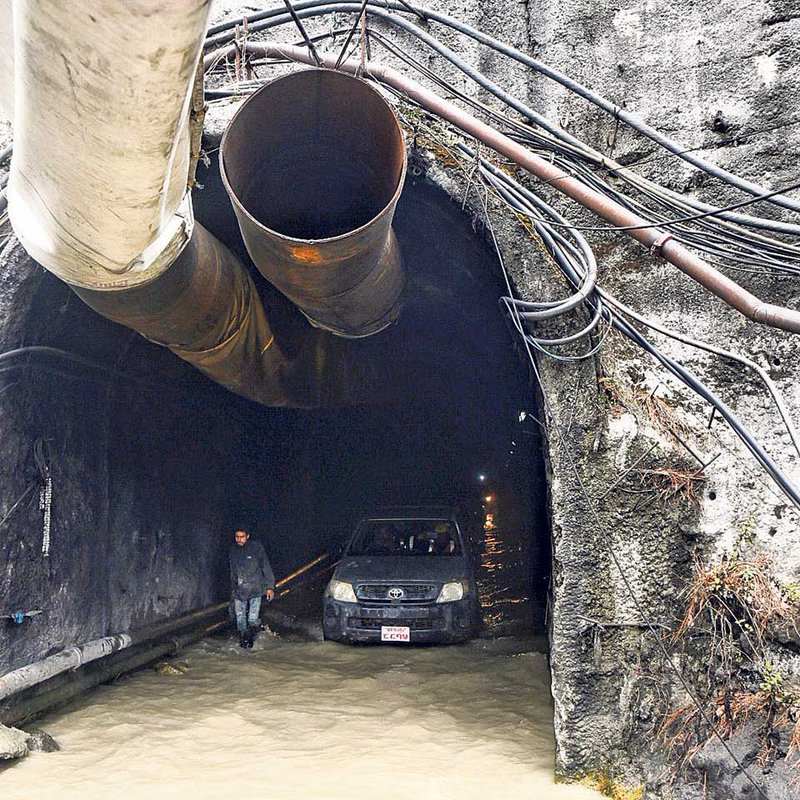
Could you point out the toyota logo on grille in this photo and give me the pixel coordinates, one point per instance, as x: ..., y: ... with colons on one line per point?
x: 396, y: 593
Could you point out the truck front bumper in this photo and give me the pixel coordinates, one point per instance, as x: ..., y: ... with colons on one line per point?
x: 428, y: 623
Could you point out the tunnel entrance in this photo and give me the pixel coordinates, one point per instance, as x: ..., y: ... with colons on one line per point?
x: 150, y: 475
x: 448, y: 417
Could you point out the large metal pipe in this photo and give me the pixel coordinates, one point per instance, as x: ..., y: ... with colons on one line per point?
x: 101, y: 94
x: 205, y: 309
x: 656, y: 240
x: 18, y: 702
x: 72, y: 658
x: 98, y: 194
x: 314, y: 164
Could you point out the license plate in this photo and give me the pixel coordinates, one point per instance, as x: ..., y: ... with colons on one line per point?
x: 395, y: 633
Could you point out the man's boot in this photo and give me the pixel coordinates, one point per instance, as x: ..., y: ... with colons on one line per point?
x: 251, y: 635
x: 243, y: 639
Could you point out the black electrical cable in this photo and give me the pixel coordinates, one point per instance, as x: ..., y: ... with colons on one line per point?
x: 607, y: 543
x: 786, y: 251
x: 690, y: 380
x: 350, y: 35
x: 530, y: 204
x: 575, y: 161
x: 303, y: 32
x: 23, y: 354
x: 308, y: 8
x: 666, y: 223
x: 686, y: 376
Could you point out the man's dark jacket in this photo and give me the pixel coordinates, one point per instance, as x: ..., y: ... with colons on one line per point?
x: 251, y: 572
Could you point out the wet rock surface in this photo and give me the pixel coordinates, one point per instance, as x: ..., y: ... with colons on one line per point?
x: 13, y: 743
x: 39, y: 741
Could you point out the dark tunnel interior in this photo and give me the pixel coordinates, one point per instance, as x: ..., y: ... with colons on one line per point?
x: 151, y: 474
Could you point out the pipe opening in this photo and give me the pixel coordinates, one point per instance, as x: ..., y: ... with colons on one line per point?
x: 329, y: 156
x: 314, y: 165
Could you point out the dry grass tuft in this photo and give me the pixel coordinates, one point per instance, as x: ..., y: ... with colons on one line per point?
x: 670, y: 483
x: 731, y: 604
x: 739, y: 597
x: 685, y: 731
x: 645, y: 405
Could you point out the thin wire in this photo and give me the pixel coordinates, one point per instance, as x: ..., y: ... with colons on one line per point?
x: 303, y: 32
x: 663, y: 197
x: 350, y: 35
x: 669, y: 222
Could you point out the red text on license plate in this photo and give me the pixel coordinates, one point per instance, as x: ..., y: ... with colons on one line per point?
x: 395, y: 633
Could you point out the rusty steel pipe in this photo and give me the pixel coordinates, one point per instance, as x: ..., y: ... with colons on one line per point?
x: 314, y: 164
x: 205, y: 308
x: 655, y: 239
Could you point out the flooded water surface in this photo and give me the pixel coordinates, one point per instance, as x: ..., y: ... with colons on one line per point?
x: 293, y: 719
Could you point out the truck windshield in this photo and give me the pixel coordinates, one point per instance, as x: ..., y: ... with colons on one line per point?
x: 405, y: 537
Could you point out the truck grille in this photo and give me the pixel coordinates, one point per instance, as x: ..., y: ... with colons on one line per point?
x: 412, y: 592
x: 374, y: 624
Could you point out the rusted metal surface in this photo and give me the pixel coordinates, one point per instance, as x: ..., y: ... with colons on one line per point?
x: 206, y: 309
x: 314, y: 164
x: 655, y: 239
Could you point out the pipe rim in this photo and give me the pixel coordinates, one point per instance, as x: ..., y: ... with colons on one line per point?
x: 386, y: 210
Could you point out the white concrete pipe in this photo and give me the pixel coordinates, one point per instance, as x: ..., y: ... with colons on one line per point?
x: 99, y: 96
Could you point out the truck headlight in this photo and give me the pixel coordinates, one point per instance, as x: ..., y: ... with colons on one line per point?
x: 341, y: 590
x: 451, y: 592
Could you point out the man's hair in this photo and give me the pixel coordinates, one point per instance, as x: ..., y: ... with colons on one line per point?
x: 241, y: 529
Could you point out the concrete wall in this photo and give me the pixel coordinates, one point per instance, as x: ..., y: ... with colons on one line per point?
x: 702, y: 74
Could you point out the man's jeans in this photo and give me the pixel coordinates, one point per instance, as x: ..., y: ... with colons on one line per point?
x: 245, y: 618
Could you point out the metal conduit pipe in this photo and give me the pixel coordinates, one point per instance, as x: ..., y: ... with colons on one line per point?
x: 74, y: 657
x: 314, y: 164
x: 656, y: 241
x: 262, y: 20
x: 45, y: 697
x: 148, y: 642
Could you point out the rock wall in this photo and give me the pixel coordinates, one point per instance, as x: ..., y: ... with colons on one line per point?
x: 141, y: 512
x: 722, y: 79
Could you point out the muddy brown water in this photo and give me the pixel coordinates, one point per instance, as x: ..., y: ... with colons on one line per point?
x: 298, y: 719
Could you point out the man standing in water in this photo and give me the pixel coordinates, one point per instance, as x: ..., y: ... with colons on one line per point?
x: 251, y: 577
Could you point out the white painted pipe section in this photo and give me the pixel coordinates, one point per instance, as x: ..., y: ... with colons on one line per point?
x: 70, y: 659
x: 97, y: 192
x: 6, y: 60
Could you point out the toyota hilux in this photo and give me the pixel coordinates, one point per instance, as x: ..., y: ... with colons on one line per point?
x: 405, y: 576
